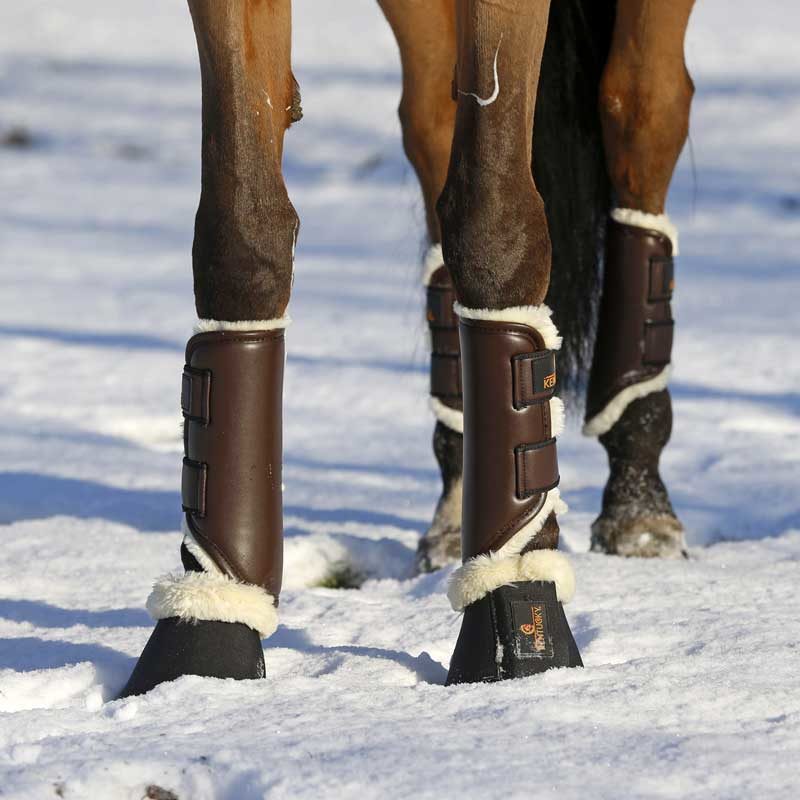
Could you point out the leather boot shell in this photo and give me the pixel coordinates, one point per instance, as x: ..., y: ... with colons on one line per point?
x: 232, y: 484
x: 509, y: 453
x: 635, y: 325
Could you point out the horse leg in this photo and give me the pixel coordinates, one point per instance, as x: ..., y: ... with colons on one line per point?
x: 645, y: 97
x: 425, y: 34
x: 210, y: 619
x: 496, y: 245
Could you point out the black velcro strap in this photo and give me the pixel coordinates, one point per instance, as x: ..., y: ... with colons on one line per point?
x: 537, y: 468
x: 662, y: 279
x: 658, y: 342
x: 440, y: 307
x: 534, y: 377
x: 196, y: 395
x: 194, y: 480
x: 445, y: 375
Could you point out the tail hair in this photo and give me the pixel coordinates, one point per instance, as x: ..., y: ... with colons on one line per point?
x: 569, y: 169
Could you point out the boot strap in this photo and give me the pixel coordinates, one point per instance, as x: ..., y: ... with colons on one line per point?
x: 196, y: 395
x: 196, y: 408
x: 658, y: 342
x: 662, y: 279
x: 658, y: 334
x: 536, y: 464
x: 194, y: 481
x: 534, y: 378
x: 537, y: 468
x: 445, y: 348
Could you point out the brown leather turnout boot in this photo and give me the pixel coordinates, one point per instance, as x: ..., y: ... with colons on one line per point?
x: 441, y: 545
x: 513, y: 581
x: 212, y: 617
x: 232, y: 486
x: 628, y: 406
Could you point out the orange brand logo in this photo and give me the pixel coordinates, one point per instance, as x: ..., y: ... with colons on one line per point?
x: 535, y: 629
x: 550, y: 381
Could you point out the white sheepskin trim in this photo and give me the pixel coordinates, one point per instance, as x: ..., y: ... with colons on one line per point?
x: 195, y: 596
x: 537, y: 317
x: 603, y: 422
x: 552, y: 503
x: 484, y: 574
x: 557, y: 416
x: 651, y: 222
x: 203, y: 559
x: 432, y: 261
x: 451, y: 417
x: 250, y: 325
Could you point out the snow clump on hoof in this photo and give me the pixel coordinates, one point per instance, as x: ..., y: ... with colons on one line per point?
x: 657, y: 536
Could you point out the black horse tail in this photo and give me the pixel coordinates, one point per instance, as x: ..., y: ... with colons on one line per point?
x: 569, y: 169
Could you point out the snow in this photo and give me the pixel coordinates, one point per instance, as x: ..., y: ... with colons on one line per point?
x: 691, y: 686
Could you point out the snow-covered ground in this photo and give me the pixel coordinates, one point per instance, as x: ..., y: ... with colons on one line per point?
x: 692, y: 679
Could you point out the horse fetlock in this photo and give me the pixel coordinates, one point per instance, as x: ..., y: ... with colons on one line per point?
x: 448, y: 447
x: 635, y: 442
x: 637, y: 518
x: 441, y: 544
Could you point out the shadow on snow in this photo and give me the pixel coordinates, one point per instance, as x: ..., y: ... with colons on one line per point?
x: 423, y: 666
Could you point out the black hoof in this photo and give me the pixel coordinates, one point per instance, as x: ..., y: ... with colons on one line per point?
x: 515, y: 631
x: 208, y: 649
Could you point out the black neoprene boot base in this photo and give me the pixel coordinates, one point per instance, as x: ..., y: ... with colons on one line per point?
x: 205, y: 648
x: 515, y: 631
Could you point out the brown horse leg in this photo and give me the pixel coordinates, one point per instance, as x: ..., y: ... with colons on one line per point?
x: 425, y: 34
x: 645, y: 98
x: 211, y: 618
x: 495, y: 241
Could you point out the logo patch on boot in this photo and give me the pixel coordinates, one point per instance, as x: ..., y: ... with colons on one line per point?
x: 531, y: 630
